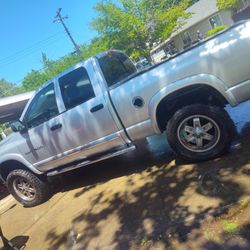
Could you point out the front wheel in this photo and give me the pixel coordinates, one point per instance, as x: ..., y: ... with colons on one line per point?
x: 27, y: 188
x: 200, y: 132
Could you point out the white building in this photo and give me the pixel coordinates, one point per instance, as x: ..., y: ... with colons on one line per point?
x: 205, y: 16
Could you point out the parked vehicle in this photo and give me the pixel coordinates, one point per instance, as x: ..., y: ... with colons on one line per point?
x: 100, y: 107
x: 143, y: 64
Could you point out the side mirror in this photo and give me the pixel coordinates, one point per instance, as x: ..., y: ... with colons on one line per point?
x: 18, y: 126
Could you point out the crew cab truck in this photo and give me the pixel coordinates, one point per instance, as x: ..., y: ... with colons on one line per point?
x: 100, y: 107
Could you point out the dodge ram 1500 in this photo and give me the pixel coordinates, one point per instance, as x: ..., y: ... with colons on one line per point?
x: 100, y: 107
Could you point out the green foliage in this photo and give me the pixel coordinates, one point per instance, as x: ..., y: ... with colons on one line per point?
x: 59, y: 66
x: 135, y: 25
x: 129, y: 25
x: 46, y: 62
x: 230, y: 227
x: 191, y: 2
x: 4, y: 128
x: 33, y: 80
x: 7, y: 88
x: 227, y: 4
x: 208, y: 235
x: 36, y: 78
x: 216, y: 30
x: 96, y: 46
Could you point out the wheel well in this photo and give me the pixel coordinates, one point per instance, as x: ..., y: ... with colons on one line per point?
x: 199, y: 93
x: 8, y: 166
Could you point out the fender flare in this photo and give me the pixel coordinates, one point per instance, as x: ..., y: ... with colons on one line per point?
x: 201, y: 79
x: 20, y: 159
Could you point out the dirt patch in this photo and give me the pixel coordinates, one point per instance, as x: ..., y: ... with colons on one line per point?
x: 230, y: 230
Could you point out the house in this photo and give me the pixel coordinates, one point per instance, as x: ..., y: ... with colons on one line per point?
x: 205, y: 16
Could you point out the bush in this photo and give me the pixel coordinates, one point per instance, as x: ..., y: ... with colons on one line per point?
x: 216, y: 30
x: 227, y: 4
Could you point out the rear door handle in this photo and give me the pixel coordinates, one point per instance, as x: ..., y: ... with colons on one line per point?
x: 96, y: 108
x: 56, y: 127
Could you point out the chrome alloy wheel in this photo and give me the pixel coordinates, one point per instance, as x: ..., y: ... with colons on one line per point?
x: 198, y: 133
x: 24, y: 189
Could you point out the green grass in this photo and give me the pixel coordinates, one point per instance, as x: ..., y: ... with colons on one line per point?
x: 216, y: 30
x: 231, y: 227
x: 208, y: 235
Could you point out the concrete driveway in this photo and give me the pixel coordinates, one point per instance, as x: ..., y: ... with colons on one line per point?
x: 146, y: 199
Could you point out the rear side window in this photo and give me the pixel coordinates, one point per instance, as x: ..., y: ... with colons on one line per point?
x: 116, y: 67
x: 76, y: 88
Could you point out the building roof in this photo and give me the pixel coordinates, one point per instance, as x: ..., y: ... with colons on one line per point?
x: 12, y: 107
x: 199, y: 12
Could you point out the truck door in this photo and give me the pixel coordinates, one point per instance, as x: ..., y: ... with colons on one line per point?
x: 87, y: 121
x: 41, y: 142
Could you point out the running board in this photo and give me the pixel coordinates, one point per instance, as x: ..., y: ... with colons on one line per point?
x: 88, y: 162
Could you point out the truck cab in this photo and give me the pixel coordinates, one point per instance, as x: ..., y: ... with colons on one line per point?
x: 71, y: 118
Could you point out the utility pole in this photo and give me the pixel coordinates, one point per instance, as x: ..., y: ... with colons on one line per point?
x: 59, y: 18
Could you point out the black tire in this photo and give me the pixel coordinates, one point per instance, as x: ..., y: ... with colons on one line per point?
x: 223, y: 125
x: 40, y: 187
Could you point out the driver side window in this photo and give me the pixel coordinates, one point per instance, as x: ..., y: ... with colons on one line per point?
x: 42, y: 108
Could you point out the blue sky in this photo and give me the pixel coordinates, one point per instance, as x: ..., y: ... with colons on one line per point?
x: 27, y: 30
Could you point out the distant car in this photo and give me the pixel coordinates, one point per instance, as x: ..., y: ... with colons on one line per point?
x: 143, y: 64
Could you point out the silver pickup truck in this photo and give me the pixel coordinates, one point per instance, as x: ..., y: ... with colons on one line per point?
x: 100, y: 107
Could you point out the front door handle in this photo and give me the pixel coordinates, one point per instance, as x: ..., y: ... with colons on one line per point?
x: 56, y: 127
x: 96, y: 108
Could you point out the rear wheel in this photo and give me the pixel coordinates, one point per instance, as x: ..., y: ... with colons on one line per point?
x: 27, y: 188
x: 200, y: 132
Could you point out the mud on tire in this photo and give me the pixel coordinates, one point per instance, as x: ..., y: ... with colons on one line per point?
x: 27, y: 188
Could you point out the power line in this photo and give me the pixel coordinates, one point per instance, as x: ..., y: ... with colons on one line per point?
x: 13, y: 58
x: 24, y: 55
x: 32, y: 48
x: 39, y: 70
x: 3, y: 64
x: 59, y: 18
x: 20, y: 55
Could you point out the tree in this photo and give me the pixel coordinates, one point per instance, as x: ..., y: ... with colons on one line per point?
x: 96, y: 46
x: 129, y: 25
x: 46, y: 62
x: 191, y: 2
x: 227, y: 4
x: 7, y: 88
x: 33, y: 80
x: 135, y: 25
x: 36, y: 78
x: 3, y: 128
